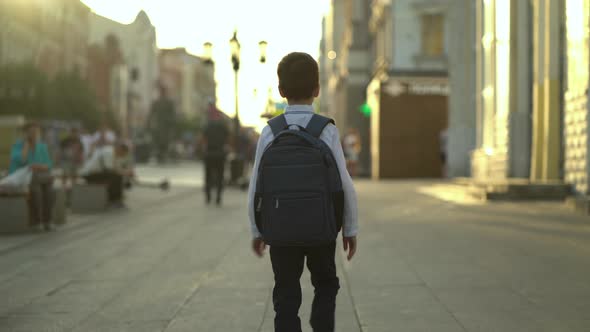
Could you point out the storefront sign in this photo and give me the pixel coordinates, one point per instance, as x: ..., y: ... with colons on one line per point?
x: 397, y: 88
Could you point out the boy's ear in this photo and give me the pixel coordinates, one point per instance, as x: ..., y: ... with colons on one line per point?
x: 281, y: 92
x: 316, y: 92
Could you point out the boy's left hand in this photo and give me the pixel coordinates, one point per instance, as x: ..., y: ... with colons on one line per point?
x: 258, y: 246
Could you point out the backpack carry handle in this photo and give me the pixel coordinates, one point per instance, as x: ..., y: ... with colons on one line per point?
x: 315, y: 127
x: 297, y: 133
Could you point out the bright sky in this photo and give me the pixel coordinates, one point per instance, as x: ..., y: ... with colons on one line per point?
x: 286, y: 25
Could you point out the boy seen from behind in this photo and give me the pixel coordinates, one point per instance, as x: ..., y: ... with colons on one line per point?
x: 300, y: 196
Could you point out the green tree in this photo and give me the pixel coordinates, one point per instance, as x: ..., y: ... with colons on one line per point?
x: 25, y: 90
x: 22, y: 90
x: 70, y: 98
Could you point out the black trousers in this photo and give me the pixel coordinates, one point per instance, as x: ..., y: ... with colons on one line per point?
x: 214, y: 171
x: 113, y: 180
x: 287, y: 265
x: 41, y: 203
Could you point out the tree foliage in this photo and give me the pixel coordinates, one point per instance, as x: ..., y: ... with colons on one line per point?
x: 25, y: 90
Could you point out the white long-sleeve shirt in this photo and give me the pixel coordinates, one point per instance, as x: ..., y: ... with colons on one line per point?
x: 301, y: 115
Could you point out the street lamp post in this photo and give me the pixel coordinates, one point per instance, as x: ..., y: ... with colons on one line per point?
x: 208, y: 53
x: 235, y: 59
x: 263, y: 45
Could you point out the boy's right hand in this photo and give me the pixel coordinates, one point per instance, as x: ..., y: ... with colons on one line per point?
x: 350, y: 246
x: 258, y: 246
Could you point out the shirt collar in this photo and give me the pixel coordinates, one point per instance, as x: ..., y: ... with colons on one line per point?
x: 299, y: 109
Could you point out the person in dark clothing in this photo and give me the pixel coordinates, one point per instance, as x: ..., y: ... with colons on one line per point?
x: 161, y: 123
x: 72, y: 156
x: 214, y: 140
x: 288, y: 265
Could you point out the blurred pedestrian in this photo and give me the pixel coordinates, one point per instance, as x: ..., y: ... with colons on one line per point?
x: 444, y: 149
x: 86, y: 138
x: 72, y: 156
x: 240, y: 154
x: 32, y: 152
x: 290, y: 203
x: 110, y: 165
x: 352, y: 149
x: 161, y: 123
x: 104, y: 136
x: 214, y: 142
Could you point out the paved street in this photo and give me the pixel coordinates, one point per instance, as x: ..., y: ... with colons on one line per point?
x: 426, y: 262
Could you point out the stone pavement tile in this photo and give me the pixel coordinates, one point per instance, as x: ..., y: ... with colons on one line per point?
x: 379, y: 266
x: 568, y: 309
x: 570, y: 296
x: 178, y: 268
x: 232, y: 296
x: 241, y: 269
x: 40, y: 322
x: 579, y: 325
x: 509, y: 320
x: 47, y: 274
x: 411, y: 307
x: 141, y: 255
x: 497, y: 309
x: 21, y: 291
x: 454, y: 275
x: 74, y: 297
x: 153, y: 297
x: 222, y: 309
x: 10, y: 241
x: 529, y: 275
x: 9, y: 271
x: 201, y: 251
x: 103, y: 324
x: 482, y: 299
x: 62, y: 253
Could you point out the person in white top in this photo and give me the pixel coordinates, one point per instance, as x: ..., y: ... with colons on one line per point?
x: 299, y: 83
x: 104, y: 136
x: 110, y: 165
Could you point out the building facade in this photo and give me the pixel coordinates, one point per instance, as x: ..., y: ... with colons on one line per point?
x: 189, y: 80
x: 576, y: 104
x: 345, y: 63
x: 132, y: 80
x: 50, y: 34
x: 408, y: 91
x: 523, y: 131
x: 462, y: 102
x: 505, y: 74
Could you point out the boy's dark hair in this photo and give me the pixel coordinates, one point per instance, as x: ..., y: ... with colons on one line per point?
x: 298, y: 76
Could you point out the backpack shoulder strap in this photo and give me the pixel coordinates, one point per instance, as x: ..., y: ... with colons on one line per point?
x: 317, y: 123
x: 278, y: 124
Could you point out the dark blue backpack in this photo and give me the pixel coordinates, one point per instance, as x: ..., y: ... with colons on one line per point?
x: 299, y: 199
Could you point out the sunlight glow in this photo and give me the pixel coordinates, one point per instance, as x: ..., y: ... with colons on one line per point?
x: 285, y: 24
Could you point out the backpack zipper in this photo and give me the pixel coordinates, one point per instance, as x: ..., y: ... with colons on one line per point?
x: 277, y: 203
x: 259, y: 206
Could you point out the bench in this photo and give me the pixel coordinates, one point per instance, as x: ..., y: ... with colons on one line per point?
x: 89, y: 198
x: 14, y: 207
x: 14, y: 217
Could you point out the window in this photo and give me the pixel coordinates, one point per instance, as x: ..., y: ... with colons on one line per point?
x: 433, y: 35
